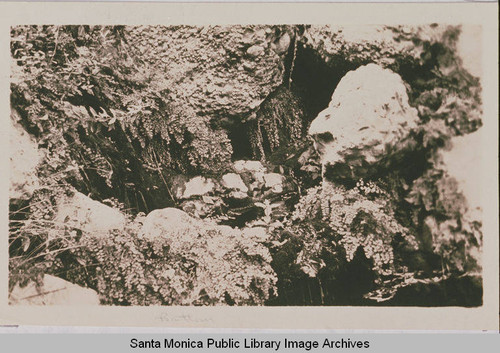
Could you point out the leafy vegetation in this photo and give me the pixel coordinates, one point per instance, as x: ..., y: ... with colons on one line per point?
x: 86, y: 98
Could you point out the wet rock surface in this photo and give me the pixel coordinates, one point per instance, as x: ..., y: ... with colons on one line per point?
x: 242, y: 197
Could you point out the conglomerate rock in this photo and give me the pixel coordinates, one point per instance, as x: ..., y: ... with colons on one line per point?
x: 369, y: 43
x: 220, y: 71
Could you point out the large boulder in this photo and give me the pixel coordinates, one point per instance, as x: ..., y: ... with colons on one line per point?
x: 368, y: 119
x: 52, y: 291
x: 208, y: 263
x: 24, y: 158
x: 89, y: 216
x: 220, y: 71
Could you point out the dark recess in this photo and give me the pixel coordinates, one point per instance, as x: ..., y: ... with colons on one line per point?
x: 314, y: 80
x: 240, y: 140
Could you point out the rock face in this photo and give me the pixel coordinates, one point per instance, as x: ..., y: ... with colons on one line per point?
x: 208, y: 262
x: 217, y: 70
x: 24, y: 158
x: 380, y: 44
x: 190, y: 100
x: 367, y: 119
x: 91, y: 217
x: 53, y: 291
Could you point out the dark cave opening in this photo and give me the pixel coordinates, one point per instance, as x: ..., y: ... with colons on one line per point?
x: 314, y: 80
x: 240, y: 140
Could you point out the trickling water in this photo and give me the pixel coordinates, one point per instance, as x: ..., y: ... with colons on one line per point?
x: 293, y: 58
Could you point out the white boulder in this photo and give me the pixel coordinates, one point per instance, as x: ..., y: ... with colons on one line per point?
x: 90, y: 216
x: 367, y: 119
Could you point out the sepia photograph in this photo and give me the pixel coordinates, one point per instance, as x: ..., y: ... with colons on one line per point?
x: 245, y: 165
x: 309, y: 171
